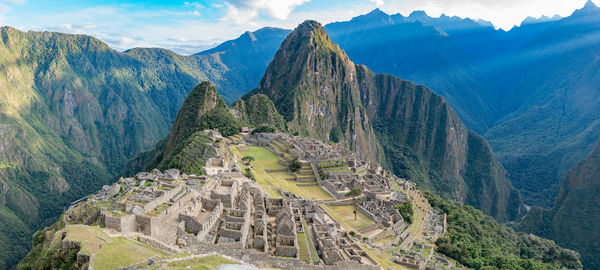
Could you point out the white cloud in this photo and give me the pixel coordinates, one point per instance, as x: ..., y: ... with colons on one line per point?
x: 377, y: 2
x: 243, y: 11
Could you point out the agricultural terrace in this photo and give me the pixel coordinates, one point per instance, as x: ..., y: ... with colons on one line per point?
x: 344, y: 214
x: 270, y: 181
x: 109, y: 252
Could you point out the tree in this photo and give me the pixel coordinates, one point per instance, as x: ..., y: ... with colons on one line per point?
x: 248, y: 173
x: 248, y: 159
x: 406, y: 211
x: 355, y: 192
x: 263, y: 128
x: 294, y: 165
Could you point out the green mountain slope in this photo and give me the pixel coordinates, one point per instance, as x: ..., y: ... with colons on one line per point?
x: 415, y: 132
x: 554, y: 95
x: 73, y: 111
x: 480, y: 242
x: 204, y: 109
x: 573, y: 221
x: 311, y: 82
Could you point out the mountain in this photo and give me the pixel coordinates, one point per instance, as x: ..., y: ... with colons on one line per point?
x: 246, y: 59
x: 530, y: 91
x: 573, y: 221
x: 314, y: 86
x: 552, y: 99
x: 204, y: 109
x: 421, y: 53
x: 413, y: 131
x: 73, y: 111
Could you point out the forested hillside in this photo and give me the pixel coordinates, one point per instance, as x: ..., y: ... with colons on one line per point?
x: 74, y: 111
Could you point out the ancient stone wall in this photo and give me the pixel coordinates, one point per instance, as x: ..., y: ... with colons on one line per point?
x: 287, y: 251
x: 144, y: 224
x: 128, y: 223
x: 163, y: 198
x: 366, y: 212
x: 262, y: 260
x: 111, y: 222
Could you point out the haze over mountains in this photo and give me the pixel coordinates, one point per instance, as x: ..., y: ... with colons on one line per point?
x: 529, y: 91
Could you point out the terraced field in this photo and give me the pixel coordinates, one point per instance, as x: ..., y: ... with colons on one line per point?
x: 109, y: 252
x: 194, y: 155
x: 344, y: 214
x: 270, y: 181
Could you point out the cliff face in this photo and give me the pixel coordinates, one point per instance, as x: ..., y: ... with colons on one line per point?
x: 573, y: 221
x: 415, y: 132
x: 313, y: 85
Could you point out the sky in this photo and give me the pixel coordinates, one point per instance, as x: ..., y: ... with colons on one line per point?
x: 189, y: 26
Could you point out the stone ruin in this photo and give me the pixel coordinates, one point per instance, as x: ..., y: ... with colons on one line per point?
x: 223, y: 211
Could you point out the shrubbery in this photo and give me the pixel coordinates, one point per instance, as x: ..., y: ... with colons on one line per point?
x: 480, y: 242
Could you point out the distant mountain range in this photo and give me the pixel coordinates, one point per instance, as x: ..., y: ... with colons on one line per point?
x: 531, y: 91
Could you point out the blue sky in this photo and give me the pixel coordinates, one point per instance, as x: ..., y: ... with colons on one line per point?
x: 191, y: 26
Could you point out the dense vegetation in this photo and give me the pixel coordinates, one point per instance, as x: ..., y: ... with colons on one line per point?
x: 46, y: 256
x: 264, y: 129
x: 478, y: 241
x: 574, y: 220
x: 406, y: 211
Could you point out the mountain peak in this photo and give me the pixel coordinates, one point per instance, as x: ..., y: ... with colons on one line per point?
x: 249, y: 35
x: 590, y: 4
x: 590, y: 8
x: 309, y: 26
x: 376, y: 13
x: 417, y: 14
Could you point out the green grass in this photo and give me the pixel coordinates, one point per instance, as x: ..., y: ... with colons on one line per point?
x: 109, y: 252
x: 339, y: 170
x: 345, y: 216
x: 122, y: 252
x: 266, y: 160
x: 304, y: 252
x: 204, y: 263
x: 311, y: 245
